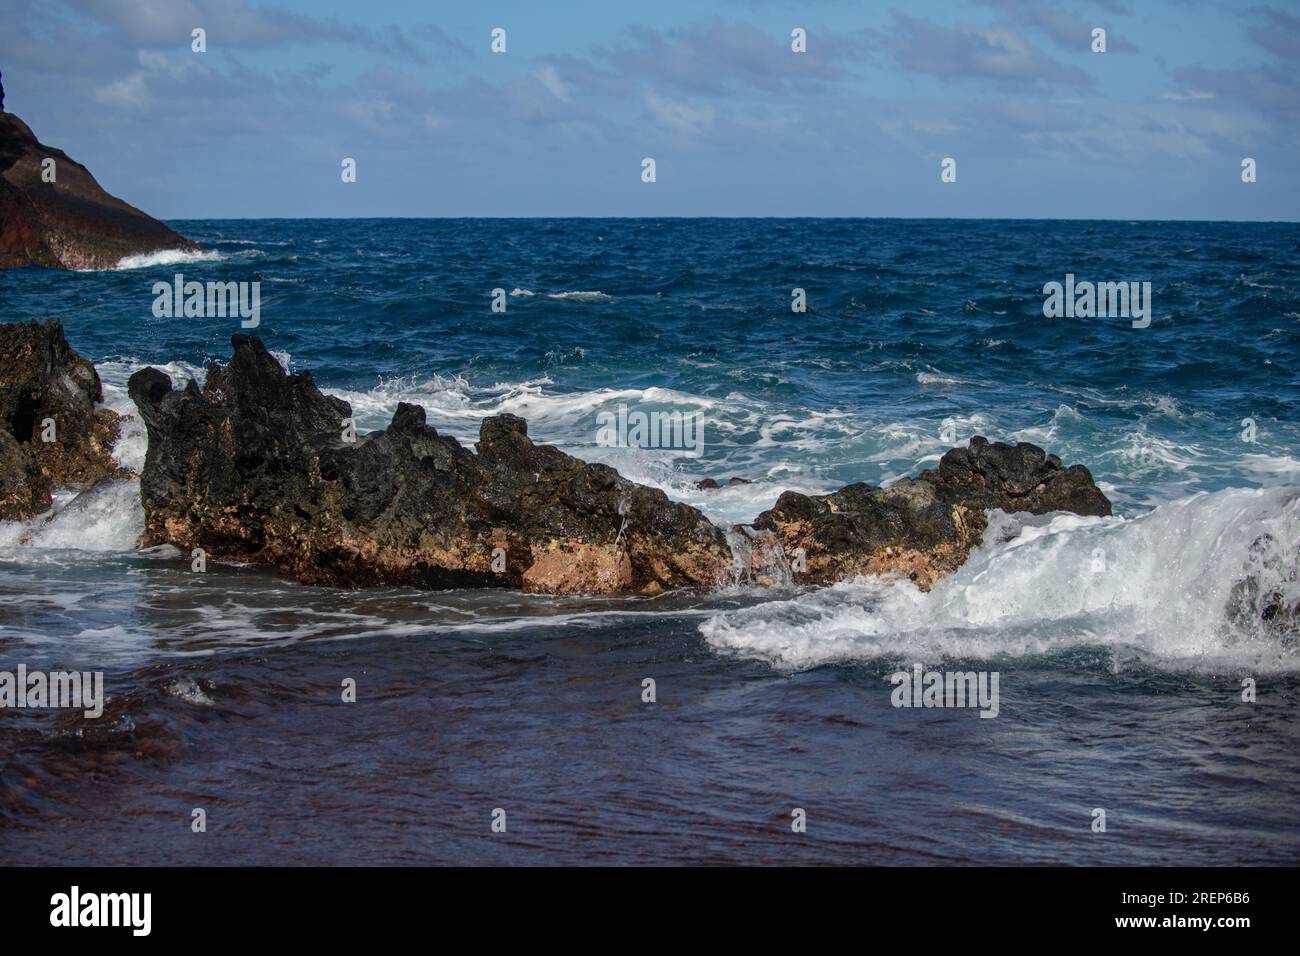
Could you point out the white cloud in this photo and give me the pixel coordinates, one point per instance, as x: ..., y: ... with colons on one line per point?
x: 130, y: 92
x: 1188, y: 95
x: 547, y: 76
x: 677, y: 116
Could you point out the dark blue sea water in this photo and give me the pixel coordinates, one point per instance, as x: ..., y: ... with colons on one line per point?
x: 1120, y: 687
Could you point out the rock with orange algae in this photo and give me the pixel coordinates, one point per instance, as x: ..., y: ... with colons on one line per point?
x: 925, y: 527
x: 52, y: 435
x: 258, y: 466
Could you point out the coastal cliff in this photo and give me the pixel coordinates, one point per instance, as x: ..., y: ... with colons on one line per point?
x: 54, y: 214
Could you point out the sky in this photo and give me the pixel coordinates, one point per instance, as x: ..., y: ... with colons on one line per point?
x: 738, y: 124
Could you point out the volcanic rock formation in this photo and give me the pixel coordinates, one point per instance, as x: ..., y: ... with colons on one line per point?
x: 259, y: 465
x: 924, y: 527
x: 51, y: 434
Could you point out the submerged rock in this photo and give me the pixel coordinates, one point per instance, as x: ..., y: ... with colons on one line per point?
x: 48, y: 391
x: 259, y: 465
x: 1266, y: 601
x: 712, y: 484
x: 71, y: 222
x: 924, y: 527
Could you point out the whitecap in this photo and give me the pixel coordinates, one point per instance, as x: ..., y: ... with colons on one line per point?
x: 167, y: 257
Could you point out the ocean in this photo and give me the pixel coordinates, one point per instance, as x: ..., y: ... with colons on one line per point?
x: 1121, y: 686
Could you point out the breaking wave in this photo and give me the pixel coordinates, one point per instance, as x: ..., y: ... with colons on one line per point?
x: 167, y: 257
x: 578, y: 296
x: 1158, y: 589
x: 107, y: 518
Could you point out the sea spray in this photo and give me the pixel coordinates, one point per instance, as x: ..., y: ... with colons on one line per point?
x: 1164, y: 596
x: 757, y: 558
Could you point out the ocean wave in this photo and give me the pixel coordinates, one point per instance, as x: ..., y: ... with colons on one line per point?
x: 453, y: 404
x: 935, y: 378
x: 167, y: 257
x: 578, y: 296
x: 106, y: 518
x: 1156, y: 590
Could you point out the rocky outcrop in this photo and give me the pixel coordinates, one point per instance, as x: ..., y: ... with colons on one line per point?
x: 259, y: 465
x: 987, y: 475
x: 924, y: 527
x: 51, y: 433
x: 862, y: 529
x: 70, y: 222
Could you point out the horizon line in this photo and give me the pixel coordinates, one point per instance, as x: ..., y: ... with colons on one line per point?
x: 1262, y: 222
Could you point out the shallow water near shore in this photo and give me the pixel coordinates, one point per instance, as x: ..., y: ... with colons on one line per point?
x: 1120, y: 687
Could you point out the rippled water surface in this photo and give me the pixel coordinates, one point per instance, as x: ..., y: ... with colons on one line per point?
x: 1120, y: 688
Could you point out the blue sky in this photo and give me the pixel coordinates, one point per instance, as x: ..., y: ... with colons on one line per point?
x: 738, y: 124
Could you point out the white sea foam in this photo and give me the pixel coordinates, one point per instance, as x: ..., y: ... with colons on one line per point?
x: 1161, y: 597
x: 582, y: 296
x: 108, y: 517
x: 133, y: 439
x: 187, y: 689
x: 1268, y: 467
x: 167, y: 257
x: 453, y: 405
x: 936, y: 378
x: 577, y: 296
x: 118, y: 371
